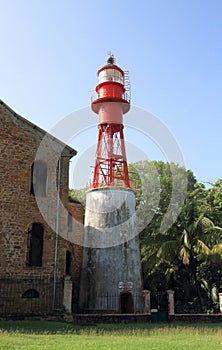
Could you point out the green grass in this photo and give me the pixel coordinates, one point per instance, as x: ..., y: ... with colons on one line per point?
x: 35, y: 335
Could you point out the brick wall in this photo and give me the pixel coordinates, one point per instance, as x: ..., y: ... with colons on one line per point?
x: 19, y: 142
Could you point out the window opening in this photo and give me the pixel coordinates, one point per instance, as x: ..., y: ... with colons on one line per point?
x: 38, y: 179
x: 35, y: 245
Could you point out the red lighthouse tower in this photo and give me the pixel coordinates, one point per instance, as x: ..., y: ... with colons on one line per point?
x: 111, y: 270
x: 111, y: 103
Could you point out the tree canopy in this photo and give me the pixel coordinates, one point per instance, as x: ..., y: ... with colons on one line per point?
x: 187, y: 256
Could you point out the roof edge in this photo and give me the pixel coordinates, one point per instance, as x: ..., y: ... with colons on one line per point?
x: 72, y: 151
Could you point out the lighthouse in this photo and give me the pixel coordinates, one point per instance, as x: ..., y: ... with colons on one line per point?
x: 111, y: 268
x: 112, y: 102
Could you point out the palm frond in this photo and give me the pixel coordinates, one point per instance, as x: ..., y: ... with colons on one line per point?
x: 202, y: 248
x: 218, y: 228
x: 217, y: 249
x: 206, y: 225
x: 184, y: 255
x: 197, y: 222
x: 185, y: 238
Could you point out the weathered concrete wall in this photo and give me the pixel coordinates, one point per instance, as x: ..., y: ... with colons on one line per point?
x: 111, y: 255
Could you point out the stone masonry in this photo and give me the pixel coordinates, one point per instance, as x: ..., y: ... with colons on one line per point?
x: 19, y: 142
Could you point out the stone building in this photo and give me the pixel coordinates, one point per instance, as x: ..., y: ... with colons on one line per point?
x: 40, y: 235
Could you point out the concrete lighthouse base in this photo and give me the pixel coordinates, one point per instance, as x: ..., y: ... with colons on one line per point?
x: 111, y: 271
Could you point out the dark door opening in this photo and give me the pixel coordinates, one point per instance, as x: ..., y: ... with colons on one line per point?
x: 159, y: 307
x: 126, y: 303
x: 35, y: 245
x: 68, y: 262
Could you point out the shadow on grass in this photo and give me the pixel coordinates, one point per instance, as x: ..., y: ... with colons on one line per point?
x: 51, y: 327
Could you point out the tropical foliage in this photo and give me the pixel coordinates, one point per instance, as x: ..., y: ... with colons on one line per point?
x: 187, y: 257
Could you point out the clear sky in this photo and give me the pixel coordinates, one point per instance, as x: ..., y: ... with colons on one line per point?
x: 50, y: 51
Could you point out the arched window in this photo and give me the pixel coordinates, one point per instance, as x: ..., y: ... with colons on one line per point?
x: 38, y: 179
x: 30, y: 294
x: 35, y: 244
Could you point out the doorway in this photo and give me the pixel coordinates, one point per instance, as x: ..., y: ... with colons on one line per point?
x: 68, y: 262
x: 126, y: 303
x: 159, y: 306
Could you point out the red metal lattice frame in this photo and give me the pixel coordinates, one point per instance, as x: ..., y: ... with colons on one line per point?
x: 111, y: 165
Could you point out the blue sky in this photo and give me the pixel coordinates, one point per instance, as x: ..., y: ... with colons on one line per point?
x: 51, y: 50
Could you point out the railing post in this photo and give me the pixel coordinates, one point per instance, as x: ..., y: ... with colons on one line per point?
x: 146, y: 302
x: 220, y: 302
x: 67, y: 295
x: 171, y: 312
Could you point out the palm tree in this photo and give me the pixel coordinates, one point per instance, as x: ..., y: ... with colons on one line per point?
x: 194, y: 245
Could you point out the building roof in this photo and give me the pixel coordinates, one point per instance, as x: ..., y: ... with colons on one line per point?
x: 68, y: 151
x: 74, y: 200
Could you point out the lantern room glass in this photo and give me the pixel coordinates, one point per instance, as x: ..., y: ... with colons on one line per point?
x: 110, y: 74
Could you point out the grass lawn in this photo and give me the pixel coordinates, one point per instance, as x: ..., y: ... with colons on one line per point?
x: 30, y: 335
